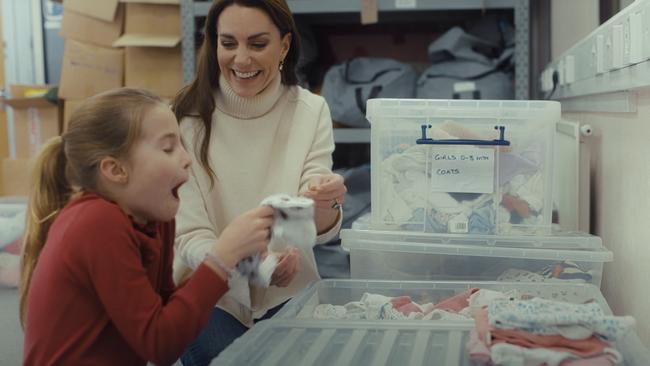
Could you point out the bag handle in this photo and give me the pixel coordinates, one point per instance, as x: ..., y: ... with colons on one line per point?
x: 374, y: 92
x: 502, y: 65
x: 349, y: 80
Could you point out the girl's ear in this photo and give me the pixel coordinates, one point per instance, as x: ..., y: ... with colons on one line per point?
x: 113, y: 170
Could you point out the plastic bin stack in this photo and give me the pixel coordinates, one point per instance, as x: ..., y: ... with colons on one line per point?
x: 461, y: 199
x: 462, y: 190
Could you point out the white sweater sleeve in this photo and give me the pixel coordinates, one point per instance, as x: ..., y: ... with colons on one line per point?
x: 319, y: 161
x: 194, y: 232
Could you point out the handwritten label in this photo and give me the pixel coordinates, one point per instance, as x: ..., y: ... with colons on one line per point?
x: 462, y: 169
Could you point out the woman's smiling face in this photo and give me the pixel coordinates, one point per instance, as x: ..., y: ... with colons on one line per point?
x: 249, y: 49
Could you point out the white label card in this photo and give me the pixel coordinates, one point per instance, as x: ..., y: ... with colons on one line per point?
x: 462, y: 169
x: 406, y: 4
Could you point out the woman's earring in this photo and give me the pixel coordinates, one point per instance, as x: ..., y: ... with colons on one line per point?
x: 281, y: 64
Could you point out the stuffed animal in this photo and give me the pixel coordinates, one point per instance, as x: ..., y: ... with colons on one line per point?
x: 293, y: 226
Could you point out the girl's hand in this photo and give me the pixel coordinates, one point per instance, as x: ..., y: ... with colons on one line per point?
x: 287, y: 269
x: 247, y: 234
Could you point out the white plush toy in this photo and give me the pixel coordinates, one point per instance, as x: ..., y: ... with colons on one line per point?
x: 293, y: 226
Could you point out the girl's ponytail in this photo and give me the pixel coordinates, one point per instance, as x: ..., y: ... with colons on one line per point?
x: 50, y: 191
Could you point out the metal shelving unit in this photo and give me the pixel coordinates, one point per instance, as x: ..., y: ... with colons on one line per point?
x: 191, y: 9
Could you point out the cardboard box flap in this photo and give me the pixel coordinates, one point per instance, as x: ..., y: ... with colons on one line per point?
x: 152, y: 1
x: 154, y: 19
x: 22, y: 103
x: 82, y: 27
x: 147, y: 40
x: 102, y: 9
x: 28, y: 90
x: 28, y: 96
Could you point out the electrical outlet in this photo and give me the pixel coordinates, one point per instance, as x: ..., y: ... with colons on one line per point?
x: 626, y: 41
x: 569, y: 69
x: 636, y: 37
x: 600, y: 54
x: 646, y: 31
x: 613, y: 58
x: 617, y: 46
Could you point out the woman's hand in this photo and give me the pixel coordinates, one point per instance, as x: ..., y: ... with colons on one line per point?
x: 287, y: 269
x: 247, y: 234
x: 328, y: 192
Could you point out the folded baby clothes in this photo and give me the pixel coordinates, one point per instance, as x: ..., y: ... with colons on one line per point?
x: 573, y: 321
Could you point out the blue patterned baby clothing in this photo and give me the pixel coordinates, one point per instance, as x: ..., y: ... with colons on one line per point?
x: 549, y: 317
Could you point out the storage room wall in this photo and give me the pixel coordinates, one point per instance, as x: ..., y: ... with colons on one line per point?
x: 619, y: 178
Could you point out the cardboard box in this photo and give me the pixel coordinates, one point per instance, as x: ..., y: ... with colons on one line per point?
x: 4, y: 137
x: 100, y: 9
x: 35, y: 119
x: 69, y: 106
x: 156, y: 25
x: 85, y: 28
x: 15, y: 177
x: 152, y: 34
x: 154, y: 68
x: 88, y: 70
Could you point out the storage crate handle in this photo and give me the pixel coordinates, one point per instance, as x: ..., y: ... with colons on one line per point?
x: 429, y: 141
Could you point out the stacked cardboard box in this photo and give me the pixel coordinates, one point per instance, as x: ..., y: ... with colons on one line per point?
x: 14, y: 177
x: 151, y: 41
x: 109, y: 44
x: 14, y: 173
x: 90, y: 62
x: 35, y: 119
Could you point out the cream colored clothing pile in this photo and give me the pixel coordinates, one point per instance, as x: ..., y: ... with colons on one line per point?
x: 272, y: 143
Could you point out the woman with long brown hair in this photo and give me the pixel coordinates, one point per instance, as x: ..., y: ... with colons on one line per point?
x: 254, y: 133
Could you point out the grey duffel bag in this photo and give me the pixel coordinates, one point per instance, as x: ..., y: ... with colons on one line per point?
x: 349, y: 85
x: 459, y: 71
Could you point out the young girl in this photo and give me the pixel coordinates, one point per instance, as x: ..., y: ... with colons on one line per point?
x: 97, y: 264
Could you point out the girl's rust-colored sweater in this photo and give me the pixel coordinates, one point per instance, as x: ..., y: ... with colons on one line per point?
x: 102, y: 292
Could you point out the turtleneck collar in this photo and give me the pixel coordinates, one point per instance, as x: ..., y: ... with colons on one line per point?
x: 228, y: 102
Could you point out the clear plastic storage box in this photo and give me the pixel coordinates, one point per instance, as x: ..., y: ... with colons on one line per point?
x: 342, y: 292
x: 290, y: 342
x: 462, y: 166
x: 399, y: 256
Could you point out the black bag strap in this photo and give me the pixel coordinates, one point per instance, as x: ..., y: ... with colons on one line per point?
x: 503, y: 65
x: 349, y: 80
x: 361, y: 102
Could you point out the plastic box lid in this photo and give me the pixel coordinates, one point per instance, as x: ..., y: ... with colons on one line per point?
x: 373, y: 240
x: 305, y: 342
x: 379, y: 108
x: 341, y: 291
x: 557, y: 239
